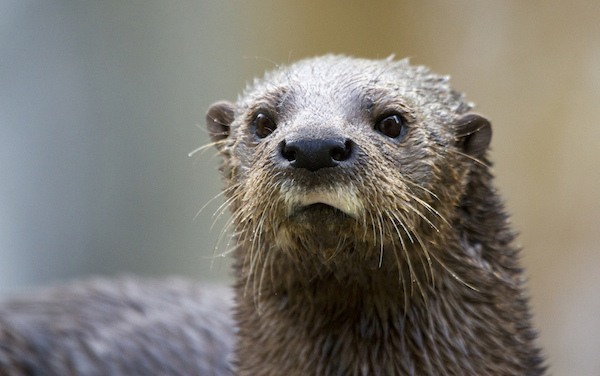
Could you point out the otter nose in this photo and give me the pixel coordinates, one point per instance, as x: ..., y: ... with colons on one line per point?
x: 314, y: 154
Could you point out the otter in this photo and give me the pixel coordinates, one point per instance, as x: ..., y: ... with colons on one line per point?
x: 370, y: 237
x: 370, y: 241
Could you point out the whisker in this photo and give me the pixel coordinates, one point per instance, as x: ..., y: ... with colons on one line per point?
x: 428, y: 207
x: 219, y: 209
x: 416, y: 185
x: 452, y: 273
x: 222, y: 233
x: 220, y: 212
x: 472, y: 158
x: 262, y: 276
x: 419, y: 285
x: 205, y: 147
x: 381, y: 237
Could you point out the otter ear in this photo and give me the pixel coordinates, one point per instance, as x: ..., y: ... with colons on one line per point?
x: 218, y: 119
x: 473, y: 134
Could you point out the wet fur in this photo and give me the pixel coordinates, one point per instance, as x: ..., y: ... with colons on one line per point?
x: 422, y: 278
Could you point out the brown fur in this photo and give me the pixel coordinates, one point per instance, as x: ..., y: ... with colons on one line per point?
x: 407, y: 266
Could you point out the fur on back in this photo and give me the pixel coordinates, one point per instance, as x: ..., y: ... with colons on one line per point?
x: 127, y: 326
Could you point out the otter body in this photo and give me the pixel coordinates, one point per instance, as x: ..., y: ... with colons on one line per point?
x: 371, y: 240
x: 118, y: 327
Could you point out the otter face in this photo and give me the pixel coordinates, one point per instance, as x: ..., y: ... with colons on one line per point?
x: 334, y: 154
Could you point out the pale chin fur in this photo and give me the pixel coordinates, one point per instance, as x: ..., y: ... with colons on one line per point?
x: 344, y: 199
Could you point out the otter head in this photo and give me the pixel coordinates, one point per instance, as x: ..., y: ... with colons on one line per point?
x: 335, y: 160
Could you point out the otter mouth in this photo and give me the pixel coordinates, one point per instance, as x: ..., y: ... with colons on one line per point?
x: 321, y: 209
x: 326, y: 203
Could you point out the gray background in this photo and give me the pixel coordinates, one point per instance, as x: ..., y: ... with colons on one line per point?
x: 101, y: 101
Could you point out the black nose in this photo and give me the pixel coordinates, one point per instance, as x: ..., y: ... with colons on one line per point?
x: 314, y: 154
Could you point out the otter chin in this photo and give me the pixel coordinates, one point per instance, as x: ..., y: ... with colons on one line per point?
x: 322, y: 222
x: 321, y: 216
x: 370, y: 237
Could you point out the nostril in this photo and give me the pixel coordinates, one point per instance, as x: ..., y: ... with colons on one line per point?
x: 339, y: 153
x: 288, y: 152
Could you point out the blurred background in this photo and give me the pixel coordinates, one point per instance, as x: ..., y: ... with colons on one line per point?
x: 101, y: 102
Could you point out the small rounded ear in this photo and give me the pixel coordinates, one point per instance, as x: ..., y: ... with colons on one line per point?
x: 218, y: 119
x: 473, y: 134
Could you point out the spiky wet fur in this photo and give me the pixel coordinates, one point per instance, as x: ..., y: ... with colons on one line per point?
x: 419, y: 277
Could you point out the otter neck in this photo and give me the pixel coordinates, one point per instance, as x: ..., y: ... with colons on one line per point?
x: 307, y: 318
x: 371, y: 321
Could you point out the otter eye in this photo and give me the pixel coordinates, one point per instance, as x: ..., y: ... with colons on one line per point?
x: 263, y: 125
x: 392, y: 126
